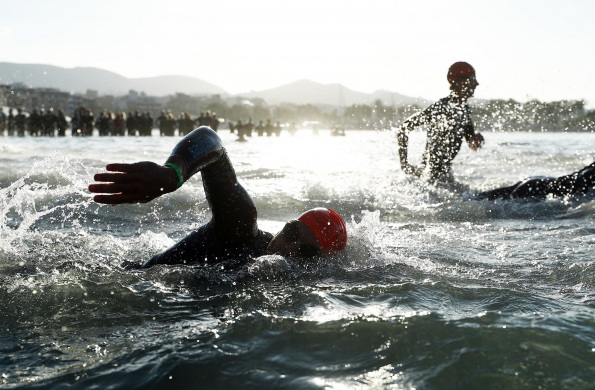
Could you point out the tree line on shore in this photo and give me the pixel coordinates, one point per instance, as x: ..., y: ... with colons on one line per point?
x: 491, y: 115
x: 488, y: 115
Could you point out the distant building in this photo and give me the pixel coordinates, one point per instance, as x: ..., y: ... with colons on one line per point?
x: 15, y: 95
x: 19, y: 95
x: 142, y: 103
x: 48, y: 97
x: 91, y: 94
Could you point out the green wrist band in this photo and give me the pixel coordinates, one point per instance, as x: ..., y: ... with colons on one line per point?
x: 178, y: 171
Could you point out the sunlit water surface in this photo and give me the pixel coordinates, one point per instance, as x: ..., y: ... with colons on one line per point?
x: 435, y: 290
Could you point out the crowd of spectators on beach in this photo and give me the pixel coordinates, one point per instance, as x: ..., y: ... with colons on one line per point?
x: 83, y: 123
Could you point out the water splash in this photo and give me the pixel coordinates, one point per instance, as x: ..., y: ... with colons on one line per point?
x: 52, y: 192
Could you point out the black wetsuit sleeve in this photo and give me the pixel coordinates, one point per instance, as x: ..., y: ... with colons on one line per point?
x: 198, y: 149
x: 232, y: 231
x: 469, y: 127
x: 577, y: 183
x: 403, y: 141
x: 498, y: 193
x: 407, y: 126
x: 468, y: 130
x: 528, y: 188
x: 232, y: 208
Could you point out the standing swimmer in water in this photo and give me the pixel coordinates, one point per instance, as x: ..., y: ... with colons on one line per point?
x: 448, y: 122
x: 577, y: 183
x: 232, y: 233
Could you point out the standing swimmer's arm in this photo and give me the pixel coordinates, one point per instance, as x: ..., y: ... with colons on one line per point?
x: 144, y: 181
x: 403, y: 141
x: 474, y: 140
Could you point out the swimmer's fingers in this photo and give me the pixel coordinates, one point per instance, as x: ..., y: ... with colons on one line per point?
x: 116, y: 193
x: 116, y: 177
x: 133, y: 183
x: 127, y: 168
x: 116, y: 188
x: 139, y: 167
x: 142, y: 172
x: 121, y: 199
x: 127, y: 172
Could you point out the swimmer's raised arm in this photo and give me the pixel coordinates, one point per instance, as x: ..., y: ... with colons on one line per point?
x: 144, y: 181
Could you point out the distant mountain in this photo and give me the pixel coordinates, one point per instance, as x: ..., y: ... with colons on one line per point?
x: 78, y: 80
x: 306, y: 91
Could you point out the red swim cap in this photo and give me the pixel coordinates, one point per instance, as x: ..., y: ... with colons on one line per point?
x: 459, y: 70
x: 328, y: 227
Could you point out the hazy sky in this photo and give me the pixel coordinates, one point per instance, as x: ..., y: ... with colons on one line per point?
x: 521, y: 49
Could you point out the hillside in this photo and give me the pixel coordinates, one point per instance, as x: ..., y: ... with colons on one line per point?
x: 79, y: 80
x: 306, y: 91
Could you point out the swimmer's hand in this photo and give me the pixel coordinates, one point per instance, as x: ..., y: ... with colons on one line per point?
x: 133, y: 183
x: 411, y: 170
x: 475, y: 141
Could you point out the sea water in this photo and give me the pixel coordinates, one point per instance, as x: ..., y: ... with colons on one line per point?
x: 434, y: 291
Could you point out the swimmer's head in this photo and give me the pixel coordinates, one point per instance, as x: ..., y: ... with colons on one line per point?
x: 462, y: 79
x: 459, y: 70
x: 316, y: 232
x: 328, y: 228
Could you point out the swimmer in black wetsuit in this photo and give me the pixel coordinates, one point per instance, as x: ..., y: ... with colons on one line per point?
x: 448, y: 122
x: 577, y: 183
x: 232, y: 233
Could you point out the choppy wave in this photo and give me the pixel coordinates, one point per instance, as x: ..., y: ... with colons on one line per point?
x: 435, y: 290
